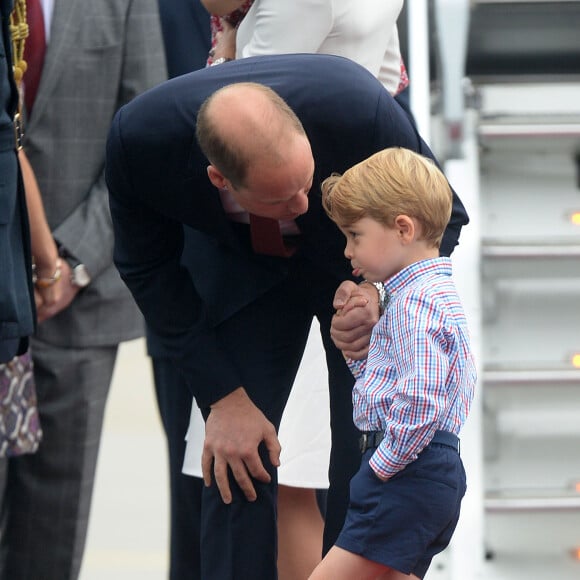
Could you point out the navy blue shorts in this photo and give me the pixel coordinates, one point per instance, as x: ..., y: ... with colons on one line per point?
x: 405, y: 521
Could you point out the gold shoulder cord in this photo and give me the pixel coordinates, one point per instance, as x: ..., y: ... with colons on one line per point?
x: 18, y: 34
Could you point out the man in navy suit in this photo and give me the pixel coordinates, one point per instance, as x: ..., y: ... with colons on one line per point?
x: 234, y: 320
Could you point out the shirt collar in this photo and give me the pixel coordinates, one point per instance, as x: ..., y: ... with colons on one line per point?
x: 407, y: 276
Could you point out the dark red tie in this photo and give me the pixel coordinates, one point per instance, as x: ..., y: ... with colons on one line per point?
x: 267, y: 238
x: 34, y: 50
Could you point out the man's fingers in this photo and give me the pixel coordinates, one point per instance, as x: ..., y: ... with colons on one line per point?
x: 355, y: 350
x: 253, y: 464
x: 345, y: 333
x: 241, y: 471
x: 243, y: 467
x: 274, y: 448
x: 256, y: 468
x: 220, y: 469
x: 234, y: 430
x: 351, y: 327
x: 206, y: 464
x: 354, y: 302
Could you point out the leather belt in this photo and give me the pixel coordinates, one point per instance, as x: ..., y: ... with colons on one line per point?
x: 372, y: 439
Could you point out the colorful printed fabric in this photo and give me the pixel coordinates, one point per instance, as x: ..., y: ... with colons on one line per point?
x: 20, y: 430
x: 234, y: 18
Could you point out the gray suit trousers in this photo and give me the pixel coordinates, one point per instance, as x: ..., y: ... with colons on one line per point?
x: 47, y: 497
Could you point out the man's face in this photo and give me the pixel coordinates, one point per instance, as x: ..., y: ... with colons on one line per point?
x: 279, y: 192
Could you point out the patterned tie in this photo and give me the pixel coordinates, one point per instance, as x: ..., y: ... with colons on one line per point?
x: 34, y: 51
x: 267, y: 238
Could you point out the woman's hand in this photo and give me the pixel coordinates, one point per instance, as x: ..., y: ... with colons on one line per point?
x: 225, y: 46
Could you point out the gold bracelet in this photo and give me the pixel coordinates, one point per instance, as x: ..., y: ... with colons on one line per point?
x: 50, y: 281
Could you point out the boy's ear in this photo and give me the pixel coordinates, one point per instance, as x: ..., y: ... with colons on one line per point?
x: 406, y: 228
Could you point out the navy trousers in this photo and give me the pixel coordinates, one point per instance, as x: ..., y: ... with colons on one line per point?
x: 174, y: 400
x: 266, y: 340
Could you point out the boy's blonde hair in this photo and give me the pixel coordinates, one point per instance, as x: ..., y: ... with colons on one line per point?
x: 390, y: 183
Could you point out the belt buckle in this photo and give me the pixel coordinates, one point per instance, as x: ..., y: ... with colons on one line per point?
x: 18, y: 131
x: 363, y: 442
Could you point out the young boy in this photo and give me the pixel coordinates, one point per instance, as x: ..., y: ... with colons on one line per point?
x: 414, y: 390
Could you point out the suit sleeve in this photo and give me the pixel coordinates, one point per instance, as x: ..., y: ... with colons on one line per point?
x: 147, y: 253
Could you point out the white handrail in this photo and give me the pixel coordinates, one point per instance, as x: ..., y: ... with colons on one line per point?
x: 530, y: 251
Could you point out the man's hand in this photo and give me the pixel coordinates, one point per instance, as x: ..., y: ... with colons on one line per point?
x: 357, y: 311
x: 233, y: 431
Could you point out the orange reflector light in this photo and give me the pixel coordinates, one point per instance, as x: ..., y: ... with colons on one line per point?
x: 576, y: 360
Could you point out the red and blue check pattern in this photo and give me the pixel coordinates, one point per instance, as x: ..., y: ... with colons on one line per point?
x: 420, y: 374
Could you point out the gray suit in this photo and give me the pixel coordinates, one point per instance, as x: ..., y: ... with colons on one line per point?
x: 101, y: 53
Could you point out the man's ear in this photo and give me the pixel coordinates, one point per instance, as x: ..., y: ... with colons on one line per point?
x: 406, y: 228
x: 216, y: 177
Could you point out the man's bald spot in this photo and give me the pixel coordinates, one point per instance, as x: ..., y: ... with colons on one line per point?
x: 254, y: 120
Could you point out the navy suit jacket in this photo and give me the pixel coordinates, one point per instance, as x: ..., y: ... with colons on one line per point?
x: 157, y: 180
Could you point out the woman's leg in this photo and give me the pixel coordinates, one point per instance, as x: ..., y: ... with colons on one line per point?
x: 300, y: 527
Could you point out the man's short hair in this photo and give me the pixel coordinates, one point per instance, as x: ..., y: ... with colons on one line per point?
x: 390, y: 183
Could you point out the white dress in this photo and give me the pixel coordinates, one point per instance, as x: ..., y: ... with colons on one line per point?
x: 305, y: 428
x: 362, y: 30
x: 366, y: 32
